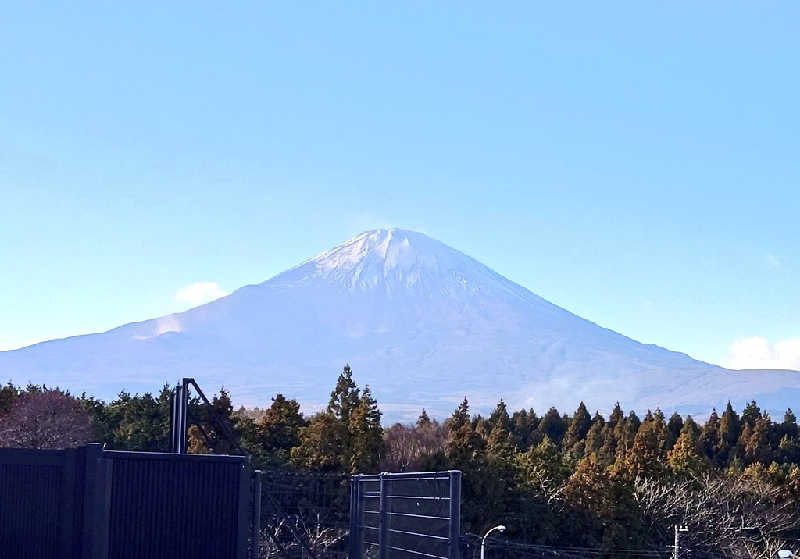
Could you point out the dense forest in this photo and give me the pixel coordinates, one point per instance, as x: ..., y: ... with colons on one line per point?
x: 617, y: 484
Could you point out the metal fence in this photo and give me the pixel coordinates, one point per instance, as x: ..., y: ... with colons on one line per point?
x: 399, y: 516
x: 41, y: 503
x: 87, y: 503
x: 302, y: 514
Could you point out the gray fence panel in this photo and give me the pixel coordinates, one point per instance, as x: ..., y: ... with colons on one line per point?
x: 394, y: 516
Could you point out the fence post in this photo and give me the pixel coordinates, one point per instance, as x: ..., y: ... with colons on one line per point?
x: 352, y: 536
x: 68, y: 508
x: 383, y: 527
x: 244, y: 511
x: 96, y: 503
x: 255, y: 539
x: 455, y: 515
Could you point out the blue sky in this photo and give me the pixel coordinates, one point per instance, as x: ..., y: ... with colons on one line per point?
x: 635, y: 163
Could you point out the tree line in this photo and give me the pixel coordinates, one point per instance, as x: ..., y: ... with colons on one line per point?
x: 615, y: 483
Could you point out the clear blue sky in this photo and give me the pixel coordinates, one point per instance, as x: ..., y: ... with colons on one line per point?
x: 636, y: 163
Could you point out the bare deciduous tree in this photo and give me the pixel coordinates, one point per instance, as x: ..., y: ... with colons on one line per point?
x: 738, y: 516
x: 46, y: 419
x: 406, y: 446
x: 290, y: 537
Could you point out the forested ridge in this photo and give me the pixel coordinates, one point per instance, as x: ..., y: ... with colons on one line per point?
x: 616, y: 483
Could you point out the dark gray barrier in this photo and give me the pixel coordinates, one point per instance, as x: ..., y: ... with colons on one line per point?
x: 40, y: 503
x: 178, y: 505
x: 398, y: 516
x: 87, y: 503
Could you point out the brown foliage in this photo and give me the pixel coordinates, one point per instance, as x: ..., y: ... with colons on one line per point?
x: 46, y: 419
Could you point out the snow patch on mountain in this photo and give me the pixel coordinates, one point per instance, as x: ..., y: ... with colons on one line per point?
x: 422, y: 323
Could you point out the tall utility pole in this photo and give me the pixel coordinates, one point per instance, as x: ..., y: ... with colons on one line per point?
x: 676, y: 550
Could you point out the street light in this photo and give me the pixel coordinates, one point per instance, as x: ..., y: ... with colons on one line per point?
x: 785, y: 553
x: 498, y: 528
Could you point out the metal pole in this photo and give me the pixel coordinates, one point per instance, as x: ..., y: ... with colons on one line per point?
x: 255, y: 539
x: 676, y: 549
x: 382, y: 523
x: 184, y: 416
x: 355, y: 517
x: 455, y: 515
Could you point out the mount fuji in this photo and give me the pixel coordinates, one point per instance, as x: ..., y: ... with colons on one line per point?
x: 421, y: 323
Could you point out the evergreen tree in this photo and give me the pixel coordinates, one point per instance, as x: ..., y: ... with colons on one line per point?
x: 684, y: 458
x: 674, y: 427
x: 345, y: 397
x: 729, y: 431
x: 552, y: 425
x: 271, y: 438
x: 423, y: 420
x: 709, y: 436
x: 751, y: 414
x: 757, y: 448
x: 500, y: 417
x: 523, y: 427
x: 365, y: 434
x: 647, y: 457
x: 789, y: 425
x: 460, y: 417
x: 578, y: 428
x: 595, y: 437
x: 347, y: 436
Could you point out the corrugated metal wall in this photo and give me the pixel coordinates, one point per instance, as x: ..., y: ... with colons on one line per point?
x: 169, y: 506
x: 94, y: 504
x: 29, y: 510
x: 39, y: 513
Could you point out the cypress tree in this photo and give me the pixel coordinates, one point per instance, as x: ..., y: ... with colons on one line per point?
x: 729, y: 431
x: 553, y: 426
x: 709, y: 436
x: 674, y: 427
x: 751, y: 414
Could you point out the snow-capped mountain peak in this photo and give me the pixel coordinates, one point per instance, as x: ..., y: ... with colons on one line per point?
x: 422, y: 323
x: 392, y: 258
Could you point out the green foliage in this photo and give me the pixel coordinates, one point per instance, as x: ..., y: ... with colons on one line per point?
x: 606, y: 483
x: 347, y: 436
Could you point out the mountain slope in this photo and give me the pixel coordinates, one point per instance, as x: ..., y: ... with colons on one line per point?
x: 420, y: 322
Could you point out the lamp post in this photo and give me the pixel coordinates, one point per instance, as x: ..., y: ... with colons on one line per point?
x: 498, y: 528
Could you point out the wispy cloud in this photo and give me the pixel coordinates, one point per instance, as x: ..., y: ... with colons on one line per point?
x: 773, y: 262
x: 758, y: 353
x: 200, y: 292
